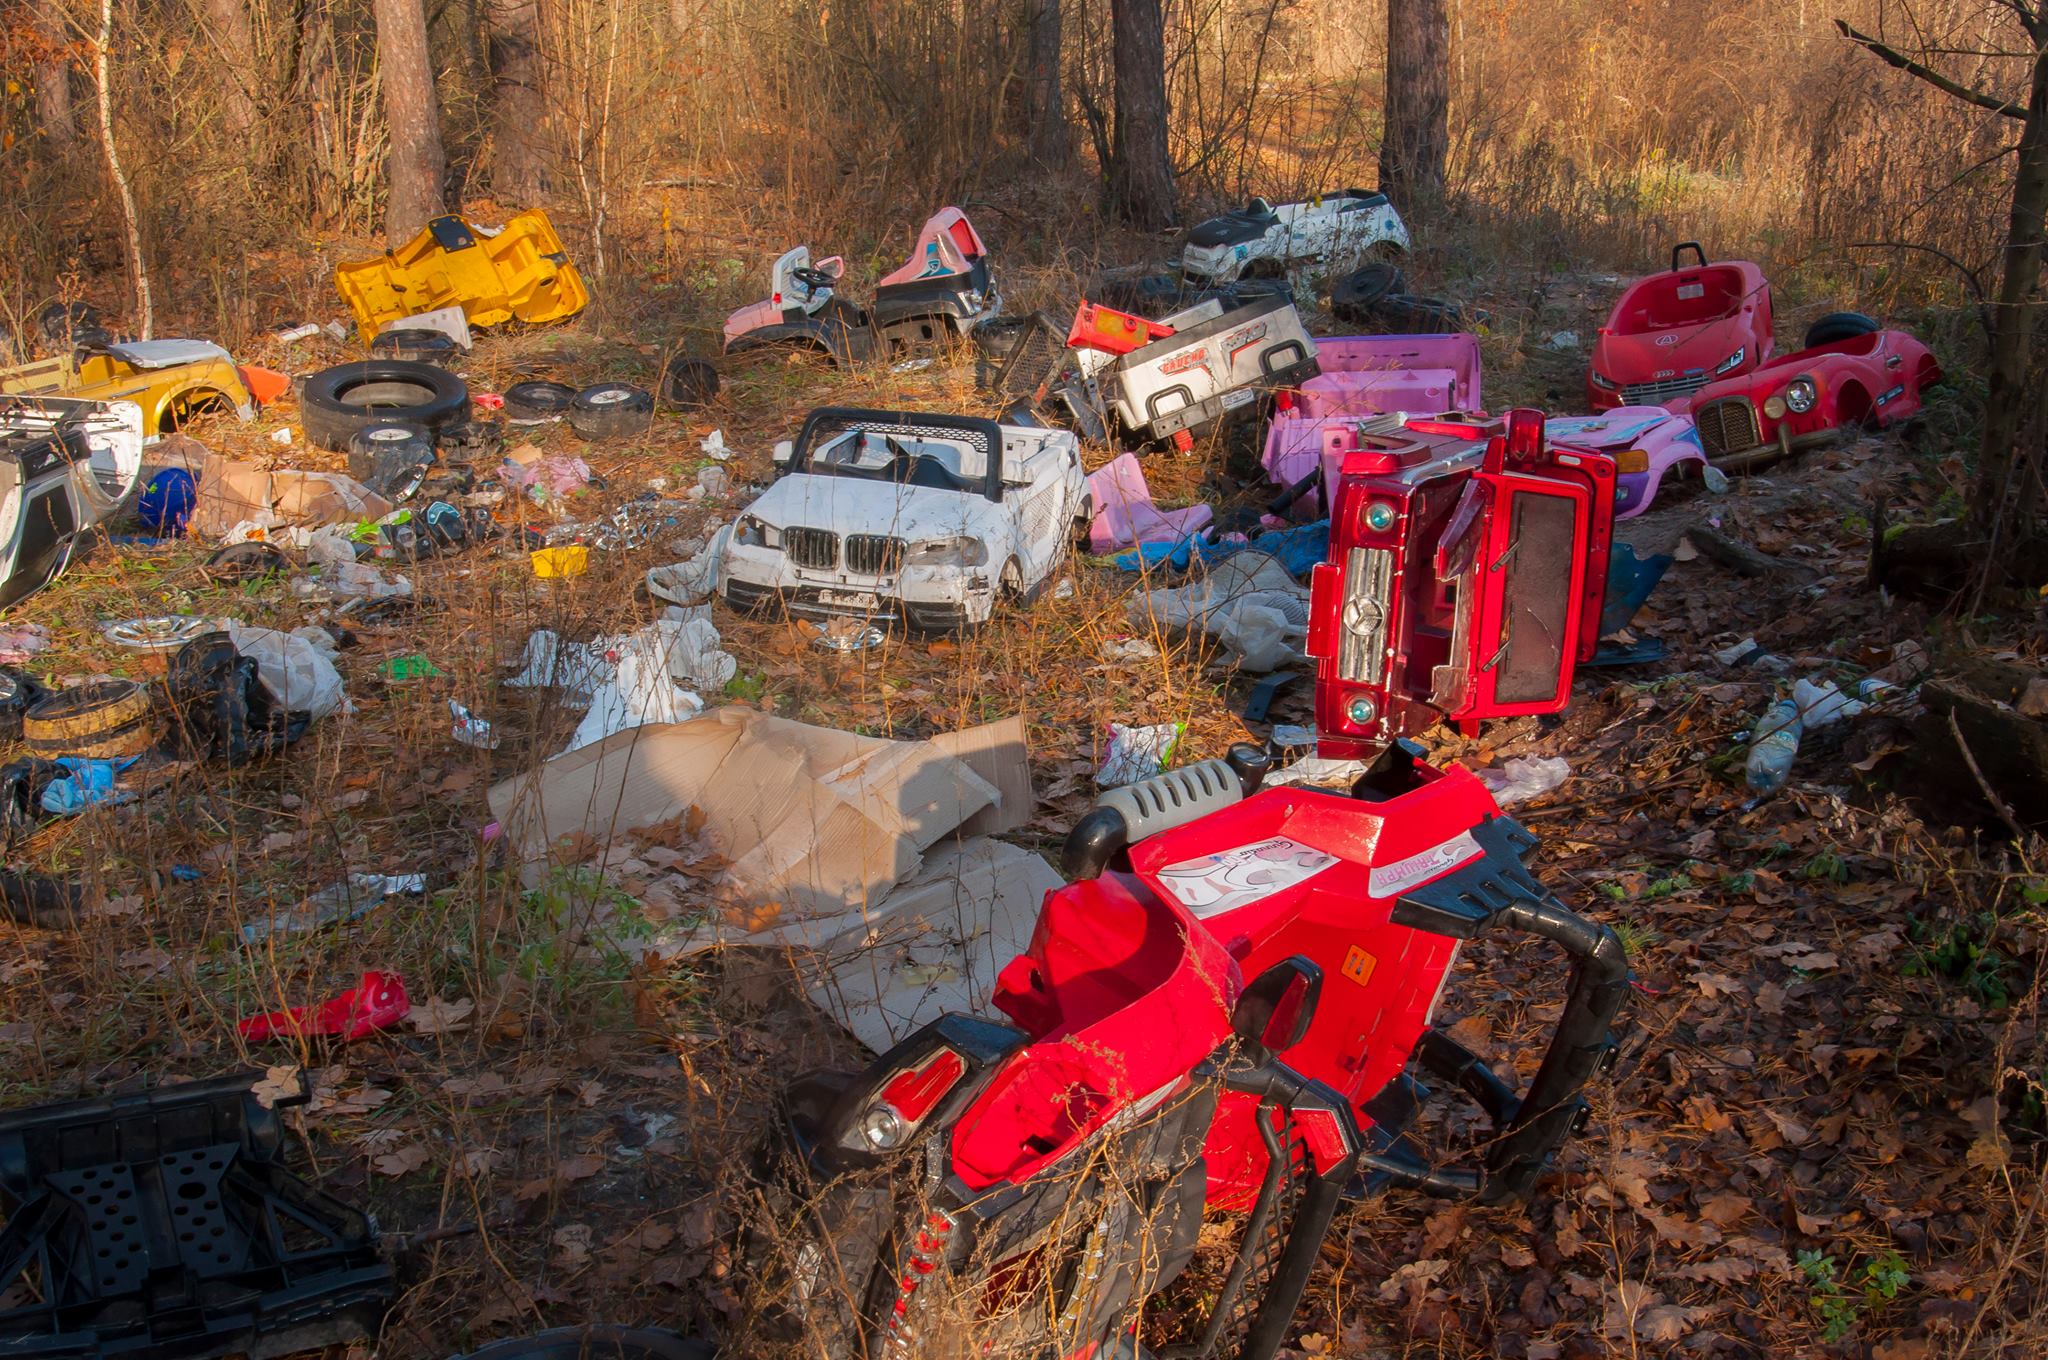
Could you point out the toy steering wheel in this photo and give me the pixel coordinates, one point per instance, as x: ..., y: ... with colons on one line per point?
x: 817, y: 280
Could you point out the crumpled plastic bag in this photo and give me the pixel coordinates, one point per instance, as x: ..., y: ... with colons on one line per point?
x: 297, y: 668
x: 691, y: 581
x: 549, y: 662
x: 642, y: 691
x: 1248, y: 602
x: 1137, y: 753
x: 1523, y: 777
x: 1821, y: 705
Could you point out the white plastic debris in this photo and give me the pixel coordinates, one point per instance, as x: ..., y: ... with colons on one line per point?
x: 634, y: 678
x: 1821, y: 705
x: 1137, y: 753
x: 305, y: 332
x: 296, y: 668
x: 1562, y: 340
x: 1318, y: 771
x: 1129, y: 649
x: 1289, y: 734
x: 713, y: 445
x: 348, y: 900
x: 1248, y: 602
x: 1748, y: 653
x: 281, y: 437
x: 579, y: 667
x: 1716, y: 480
x: 1064, y: 590
x: 1523, y: 777
x: 690, y: 582
x: 642, y: 692
x: 712, y: 482
x: 471, y: 730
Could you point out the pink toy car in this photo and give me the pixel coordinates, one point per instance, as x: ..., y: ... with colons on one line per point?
x: 1804, y: 399
x: 1673, y: 333
x: 1364, y: 375
x: 1645, y: 442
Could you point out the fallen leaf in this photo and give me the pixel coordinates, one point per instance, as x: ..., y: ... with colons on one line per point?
x: 1412, y: 1279
x: 572, y: 1245
x: 579, y: 1168
x: 1716, y: 984
x: 481, y: 1161
x: 1665, y: 1323
x: 407, y: 1159
x: 1725, y: 1209
x: 435, y: 1016
x: 277, y: 1084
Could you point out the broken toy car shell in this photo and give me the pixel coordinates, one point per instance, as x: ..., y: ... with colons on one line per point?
x: 1673, y: 333
x: 1800, y: 400
x: 1260, y: 240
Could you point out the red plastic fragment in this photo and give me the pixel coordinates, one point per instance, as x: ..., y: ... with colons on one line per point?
x: 377, y: 1002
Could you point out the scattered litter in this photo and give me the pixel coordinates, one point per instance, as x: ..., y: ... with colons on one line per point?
x: 89, y: 783
x: 1290, y: 735
x: 1562, y: 340
x: 646, y: 667
x: 1909, y: 661
x: 231, y: 493
x: 414, y: 667
x: 544, y: 477
x: 714, y: 446
x: 1125, y: 514
x: 1822, y: 705
x: 579, y: 667
x: 1521, y: 778
x: 166, y: 502
x: 154, y: 638
x: 912, y: 365
x: 1064, y: 589
x: 349, y: 900
x: 712, y: 482
x: 297, y: 333
x: 1318, y: 771
x: 1773, y: 746
x: 847, y: 635
x: 375, y: 1003
x: 281, y: 437
x: 1715, y: 479
x: 471, y: 730
x: 689, y: 582
x: 1129, y: 649
x: 554, y: 564
x: 1748, y: 653
x: 1137, y: 753
x: 1248, y: 602
x: 21, y: 641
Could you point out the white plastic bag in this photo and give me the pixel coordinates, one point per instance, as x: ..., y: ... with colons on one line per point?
x: 1137, y: 753
x: 296, y: 668
x: 689, y: 582
x: 1247, y: 602
x: 1524, y: 777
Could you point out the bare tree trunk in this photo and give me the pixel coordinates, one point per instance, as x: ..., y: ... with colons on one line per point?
x: 144, y: 302
x: 1140, y: 175
x: 1051, y: 139
x: 417, y: 165
x: 53, y: 82
x: 1417, y: 135
x: 227, y: 24
x: 518, y: 164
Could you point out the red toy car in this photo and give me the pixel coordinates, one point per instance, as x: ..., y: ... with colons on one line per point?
x: 1468, y: 565
x: 1799, y: 400
x: 1043, y: 1184
x: 1673, y: 333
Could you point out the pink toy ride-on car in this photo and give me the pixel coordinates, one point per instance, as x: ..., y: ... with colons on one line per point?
x: 1673, y: 333
x: 1645, y: 442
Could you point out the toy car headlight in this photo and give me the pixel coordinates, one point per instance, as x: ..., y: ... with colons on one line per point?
x: 1732, y: 362
x: 1801, y: 395
x: 751, y: 532
x: 1601, y: 380
x: 961, y: 551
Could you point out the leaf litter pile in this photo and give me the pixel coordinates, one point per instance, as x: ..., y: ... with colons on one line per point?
x: 1825, y: 1136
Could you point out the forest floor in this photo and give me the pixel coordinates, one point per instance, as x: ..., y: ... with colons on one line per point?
x: 1822, y: 1139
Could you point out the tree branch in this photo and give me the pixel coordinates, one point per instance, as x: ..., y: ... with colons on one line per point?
x: 1892, y: 57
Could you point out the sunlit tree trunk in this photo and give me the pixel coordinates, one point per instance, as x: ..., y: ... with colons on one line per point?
x: 1140, y: 175
x: 518, y: 113
x: 1051, y: 139
x: 1417, y: 136
x: 227, y: 26
x: 417, y: 166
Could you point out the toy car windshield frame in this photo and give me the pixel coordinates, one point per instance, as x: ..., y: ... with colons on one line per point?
x: 828, y: 423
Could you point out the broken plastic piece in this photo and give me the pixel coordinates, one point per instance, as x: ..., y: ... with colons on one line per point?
x: 471, y: 730
x: 1137, y: 753
x: 1126, y: 515
x: 1524, y: 777
x: 377, y: 1002
x: 349, y: 900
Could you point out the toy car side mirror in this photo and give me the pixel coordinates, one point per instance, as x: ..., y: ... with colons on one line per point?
x: 1273, y: 1013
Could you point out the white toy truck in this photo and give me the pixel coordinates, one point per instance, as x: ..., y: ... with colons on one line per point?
x: 907, y: 520
x: 1262, y: 241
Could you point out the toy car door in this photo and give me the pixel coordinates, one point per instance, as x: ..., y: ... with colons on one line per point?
x: 1531, y: 585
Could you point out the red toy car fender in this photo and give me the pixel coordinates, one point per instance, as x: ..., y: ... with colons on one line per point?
x: 1875, y: 379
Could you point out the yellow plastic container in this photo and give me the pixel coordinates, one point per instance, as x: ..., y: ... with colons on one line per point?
x: 555, y: 563
x: 519, y: 272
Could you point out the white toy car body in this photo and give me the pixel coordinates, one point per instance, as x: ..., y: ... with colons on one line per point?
x: 910, y: 519
x: 1262, y: 240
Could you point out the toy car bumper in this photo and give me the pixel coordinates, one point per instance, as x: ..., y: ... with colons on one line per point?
x: 922, y: 601
x: 1631, y: 493
x: 1735, y: 436
x: 1197, y: 417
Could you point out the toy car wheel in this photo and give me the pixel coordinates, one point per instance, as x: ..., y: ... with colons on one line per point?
x: 597, y: 1342
x: 611, y: 410
x: 336, y: 402
x: 530, y: 403
x: 1840, y: 326
x: 997, y: 337
x: 1359, y: 291
x: 102, y: 721
x: 65, y: 324
x: 391, y: 457
x: 689, y: 383
x: 418, y: 344
x: 1406, y: 314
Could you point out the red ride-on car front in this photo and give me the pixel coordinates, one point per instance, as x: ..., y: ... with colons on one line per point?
x: 1673, y: 333
x: 1801, y: 400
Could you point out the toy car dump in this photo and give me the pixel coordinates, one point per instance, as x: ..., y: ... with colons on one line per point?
x: 517, y: 272
x: 1673, y: 333
x: 941, y: 291
x: 165, y: 1226
x: 903, y: 518
x: 170, y: 381
x: 66, y: 466
x: 1262, y: 240
x: 1799, y: 400
x: 1468, y: 563
x: 1222, y: 1022
x: 1365, y: 375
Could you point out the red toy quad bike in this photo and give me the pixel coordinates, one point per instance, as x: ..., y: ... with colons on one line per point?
x: 1045, y: 1184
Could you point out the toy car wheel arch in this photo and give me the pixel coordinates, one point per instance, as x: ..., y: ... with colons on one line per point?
x: 609, y: 410
x: 1355, y: 294
x: 337, y: 402
x: 418, y: 344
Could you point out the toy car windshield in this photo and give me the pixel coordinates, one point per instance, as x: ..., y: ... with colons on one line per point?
x: 940, y: 464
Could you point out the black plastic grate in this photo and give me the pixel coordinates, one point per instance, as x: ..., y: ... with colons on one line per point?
x: 1727, y: 426
x: 873, y: 554
x: 814, y: 548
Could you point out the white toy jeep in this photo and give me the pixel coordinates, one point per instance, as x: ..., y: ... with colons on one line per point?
x: 1260, y: 240
x: 908, y: 519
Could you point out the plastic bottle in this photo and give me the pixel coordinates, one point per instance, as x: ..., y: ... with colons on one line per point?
x: 1773, y: 746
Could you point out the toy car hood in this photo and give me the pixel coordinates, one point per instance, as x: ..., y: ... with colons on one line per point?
x: 1621, y: 428
x: 948, y: 244
x: 861, y: 505
x: 152, y: 354
x: 1658, y: 356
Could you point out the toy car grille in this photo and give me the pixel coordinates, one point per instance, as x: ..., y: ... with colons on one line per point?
x: 1033, y: 367
x: 873, y: 554
x: 1657, y: 393
x: 1727, y: 426
x: 812, y: 547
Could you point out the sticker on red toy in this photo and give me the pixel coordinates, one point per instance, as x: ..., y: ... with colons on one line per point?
x: 1213, y: 884
x: 1391, y: 880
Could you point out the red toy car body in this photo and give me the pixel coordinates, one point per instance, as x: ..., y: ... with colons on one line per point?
x: 1673, y: 333
x: 1799, y: 400
x: 1468, y: 565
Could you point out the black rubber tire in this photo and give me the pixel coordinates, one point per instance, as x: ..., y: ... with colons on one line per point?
x: 689, y: 384
x: 336, y: 402
x: 597, y: 1342
x: 611, y: 411
x: 381, y: 452
x: 105, y: 719
x: 61, y: 322
x: 417, y: 344
x: 474, y: 441
x: 1148, y: 295
x: 1353, y: 296
x: 530, y: 403
x: 247, y: 560
x: 1841, y: 326
x: 997, y: 337
x: 1407, y: 314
